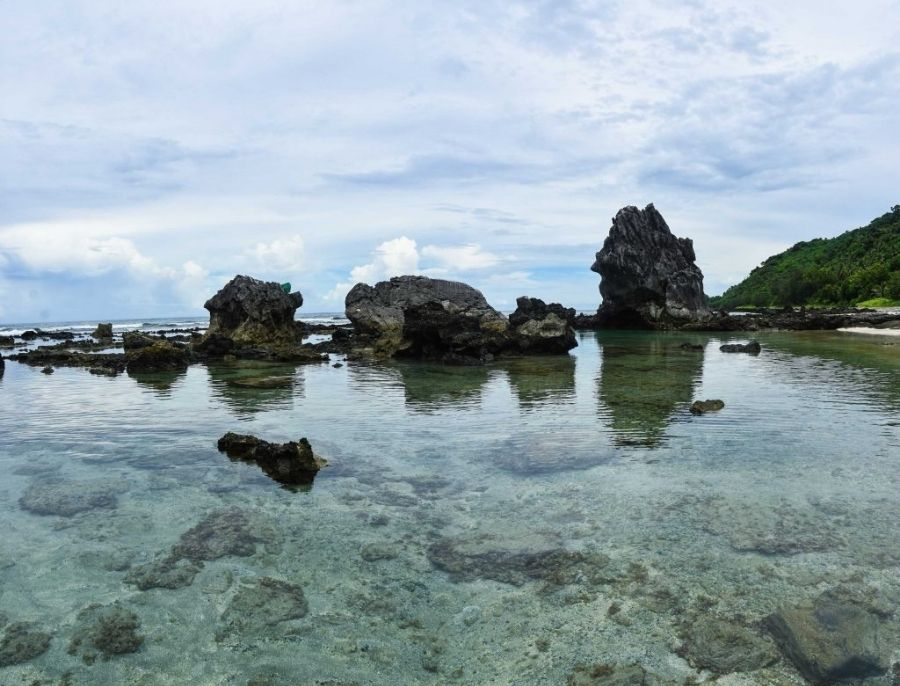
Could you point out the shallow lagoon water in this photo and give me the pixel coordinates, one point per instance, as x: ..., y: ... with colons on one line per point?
x: 503, y: 524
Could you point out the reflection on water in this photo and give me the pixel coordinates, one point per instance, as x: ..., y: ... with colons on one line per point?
x: 535, y: 521
x: 161, y: 382
x: 248, y: 387
x: 644, y: 380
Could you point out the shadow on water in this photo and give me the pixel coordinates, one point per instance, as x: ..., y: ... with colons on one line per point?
x: 249, y: 387
x: 644, y: 379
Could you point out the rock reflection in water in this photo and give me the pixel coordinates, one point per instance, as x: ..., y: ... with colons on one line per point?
x: 430, y: 386
x: 161, y: 382
x: 248, y: 387
x: 538, y: 381
x: 643, y: 380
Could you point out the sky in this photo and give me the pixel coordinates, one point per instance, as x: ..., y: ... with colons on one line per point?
x: 151, y: 150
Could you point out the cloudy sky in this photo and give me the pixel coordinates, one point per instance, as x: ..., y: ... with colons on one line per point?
x: 152, y: 149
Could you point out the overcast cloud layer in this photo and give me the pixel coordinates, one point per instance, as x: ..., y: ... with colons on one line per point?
x: 151, y: 150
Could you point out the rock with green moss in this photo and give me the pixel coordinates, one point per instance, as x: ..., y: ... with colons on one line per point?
x: 159, y: 356
x: 721, y: 647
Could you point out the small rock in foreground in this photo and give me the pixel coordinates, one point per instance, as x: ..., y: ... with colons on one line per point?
x: 292, y: 463
x: 753, y: 347
x: 105, y: 630
x: 704, y: 406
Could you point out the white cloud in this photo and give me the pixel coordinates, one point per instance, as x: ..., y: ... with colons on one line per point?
x: 461, y: 257
x: 395, y: 257
x: 282, y: 255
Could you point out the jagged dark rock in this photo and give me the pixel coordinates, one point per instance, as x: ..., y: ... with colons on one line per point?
x: 134, y: 340
x: 649, y: 278
x: 103, y: 331
x: 541, y: 328
x: 104, y: 363
x: 7, y: 341
x: 291, y: 463
x: 416, y: 316
x: 753, y: 347
x: 251, y: 312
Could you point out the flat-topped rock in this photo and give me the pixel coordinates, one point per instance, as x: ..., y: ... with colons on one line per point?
x: 649, y: 278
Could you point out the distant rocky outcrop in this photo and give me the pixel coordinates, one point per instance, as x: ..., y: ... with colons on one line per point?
x: 103, y: 331
x: 251, y: 312
x: 648, y: 276
x: 420, y: 317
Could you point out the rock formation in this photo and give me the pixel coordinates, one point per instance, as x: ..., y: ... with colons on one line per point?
x: 648, y: 276
x: 159, y: 356
x: 250, y: 312
x: 541, y: 328
x: 416, y: 316
x: 291, y: 463
x: 753, y: 347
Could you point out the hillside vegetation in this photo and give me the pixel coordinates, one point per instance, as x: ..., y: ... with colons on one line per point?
x: 857, y: 266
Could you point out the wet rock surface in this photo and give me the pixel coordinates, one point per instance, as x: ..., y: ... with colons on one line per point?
x: 648, y: 276
x: 68, y: 498
x: 262, y: 606
x: 22, y: 642
x: 753, y: 347
x: 105, y: 631
x: 250, y: 312
x: 611, y: 675
x: 291, y: 463
x: 704, y: 406
x: 831, y: 639
x: 721, y: 647
x: 105, y: 363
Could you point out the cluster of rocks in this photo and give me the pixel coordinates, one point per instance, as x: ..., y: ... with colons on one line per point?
x: 420, y: 317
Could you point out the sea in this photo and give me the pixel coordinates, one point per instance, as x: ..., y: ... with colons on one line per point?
x: 559, y: 520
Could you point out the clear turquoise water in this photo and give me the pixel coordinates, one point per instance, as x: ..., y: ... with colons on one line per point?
x: 475, y: 525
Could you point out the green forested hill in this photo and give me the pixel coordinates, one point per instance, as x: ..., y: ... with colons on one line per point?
x: 858, y: 265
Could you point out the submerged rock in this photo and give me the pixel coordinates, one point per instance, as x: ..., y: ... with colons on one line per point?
x: 47, y: 370
x: 753, y: 347
x: 722, y: 647
x: 105, y: 630
x: 250, y: 312
x: 68, y: 498
x: 609, y: 675
x: 222, y: 533
x: 704, y: 406
x: 831, y: 640
x: 262, y: 606
x: 103, y: 331
x: 648, y: 276
x: 468, y: 561
x: 420, y: 317
x: 292, y: 463
x: 541, y: 328
x: 22, y: 642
